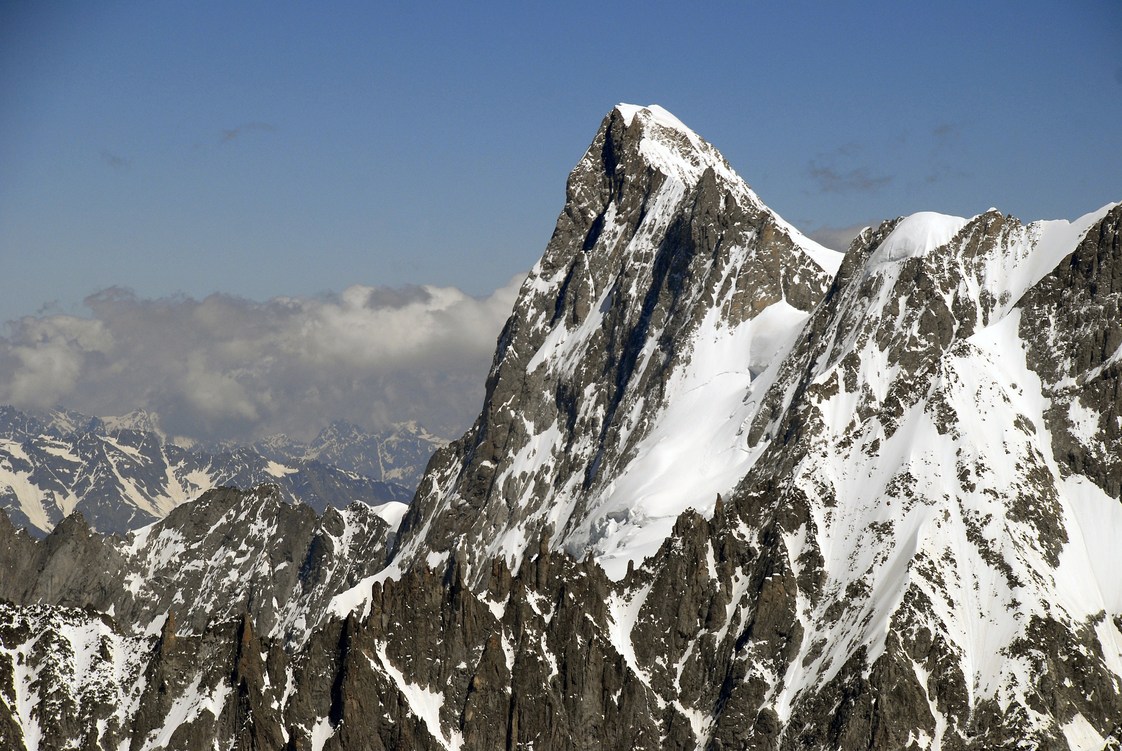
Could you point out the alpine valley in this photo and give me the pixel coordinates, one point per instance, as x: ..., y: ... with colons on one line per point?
x: 728, y: 489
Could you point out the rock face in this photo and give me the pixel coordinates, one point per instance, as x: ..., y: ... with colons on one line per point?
x: 228, y: 553
x: 667, y: 287
x: 722, y: 495
x: 121, y: 473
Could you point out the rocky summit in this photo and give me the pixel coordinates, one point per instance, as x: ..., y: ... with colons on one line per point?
x: 728, y: 489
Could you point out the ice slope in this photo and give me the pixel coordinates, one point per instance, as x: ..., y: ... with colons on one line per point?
x: 696, y: 448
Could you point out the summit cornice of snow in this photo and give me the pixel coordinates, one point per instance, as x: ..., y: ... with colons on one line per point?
x: 917, y: 235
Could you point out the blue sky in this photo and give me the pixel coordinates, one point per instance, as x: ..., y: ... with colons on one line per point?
x: 223, y: 212
x: 264, y: 149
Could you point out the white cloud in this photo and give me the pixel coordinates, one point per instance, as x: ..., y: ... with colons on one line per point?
x: 47, y: 361
x: 225, y: 367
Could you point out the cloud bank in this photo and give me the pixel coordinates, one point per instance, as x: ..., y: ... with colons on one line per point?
x: 229, y: 368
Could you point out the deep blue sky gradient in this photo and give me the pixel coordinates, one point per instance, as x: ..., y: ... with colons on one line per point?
x: 265, y: 149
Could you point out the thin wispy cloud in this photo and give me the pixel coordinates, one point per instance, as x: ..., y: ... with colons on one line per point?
x: 945, y: 131
x: 831, y: 178
x: 946, y: 153
x: 116, y: 161
x: 842, y: 171
x: 232, y: 134
x: 226, y: 367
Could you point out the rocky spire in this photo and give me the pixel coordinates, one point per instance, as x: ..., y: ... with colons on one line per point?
x: 663, y: 263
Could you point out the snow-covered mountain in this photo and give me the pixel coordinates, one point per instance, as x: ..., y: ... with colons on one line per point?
x: 666, y: 290
x: 121, y: 473
x: 728, y: 490
x: 927, y: 439
x: 228, y: 553
x: 396, y: 455
x: 94, y: 662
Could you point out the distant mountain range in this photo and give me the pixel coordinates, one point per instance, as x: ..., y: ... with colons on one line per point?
x: 122, y: 472
x: 396, y: 455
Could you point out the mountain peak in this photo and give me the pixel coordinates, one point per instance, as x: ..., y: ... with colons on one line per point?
x: 664, y: 268
x: 875, y: 509
x: 918, y: 234
x: 666, y: 144
x: 653, y: 113
x: 139, y: 419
